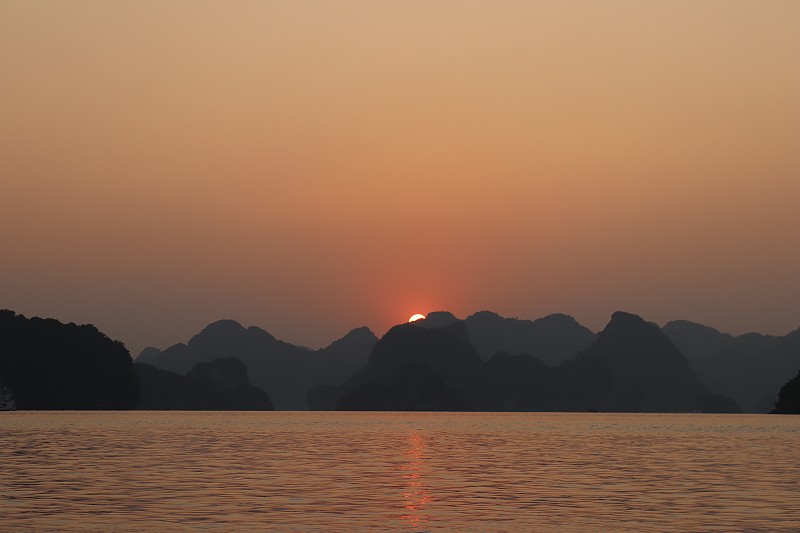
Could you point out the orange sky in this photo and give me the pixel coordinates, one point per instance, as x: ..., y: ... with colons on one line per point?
x: 315, y: 166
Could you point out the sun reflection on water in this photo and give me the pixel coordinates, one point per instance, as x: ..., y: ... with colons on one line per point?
x: 172, y: 471
x: 415, y: 495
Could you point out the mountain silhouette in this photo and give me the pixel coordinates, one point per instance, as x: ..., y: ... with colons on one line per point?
x: 411, y: 387
x: 221, y: 384
x: 633, y: 366
x: 50, y: 365
x: 352, y: 350
x: 437, y: 319
x: 515, y: 383
x: 416, y: 368
x: 749, y: 368
x: 431, y: 364
x: 552, y: 339
x: 697, y: 342
x: 630, y: 367
x: 789, y: 397
x: 285, y: 370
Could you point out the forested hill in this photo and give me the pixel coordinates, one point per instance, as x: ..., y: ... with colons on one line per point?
x: 50, y: 365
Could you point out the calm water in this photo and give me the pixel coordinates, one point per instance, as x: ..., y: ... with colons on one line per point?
x: 404, y: 471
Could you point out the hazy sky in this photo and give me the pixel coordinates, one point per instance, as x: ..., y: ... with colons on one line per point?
x: 310, y: 167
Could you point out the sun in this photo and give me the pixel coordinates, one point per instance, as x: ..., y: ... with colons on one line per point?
x: 416, y: 317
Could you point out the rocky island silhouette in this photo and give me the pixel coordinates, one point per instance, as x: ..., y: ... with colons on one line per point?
x: 485, y: 362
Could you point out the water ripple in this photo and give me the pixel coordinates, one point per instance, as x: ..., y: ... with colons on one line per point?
x: 156, y: 471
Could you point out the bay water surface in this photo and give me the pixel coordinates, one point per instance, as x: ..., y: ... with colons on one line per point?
x: 297, y: 471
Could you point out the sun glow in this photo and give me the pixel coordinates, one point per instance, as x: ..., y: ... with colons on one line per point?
x: 416, y: 317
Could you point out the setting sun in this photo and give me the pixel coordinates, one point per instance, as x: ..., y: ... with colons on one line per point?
x: 416, y: 317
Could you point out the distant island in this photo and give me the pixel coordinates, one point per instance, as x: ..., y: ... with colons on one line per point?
x: 282, y: 369
x: 789, y: 398
x: 485, y: 362
x: 631, y: 366
x: 45, y: 364
x: 221, y: 384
